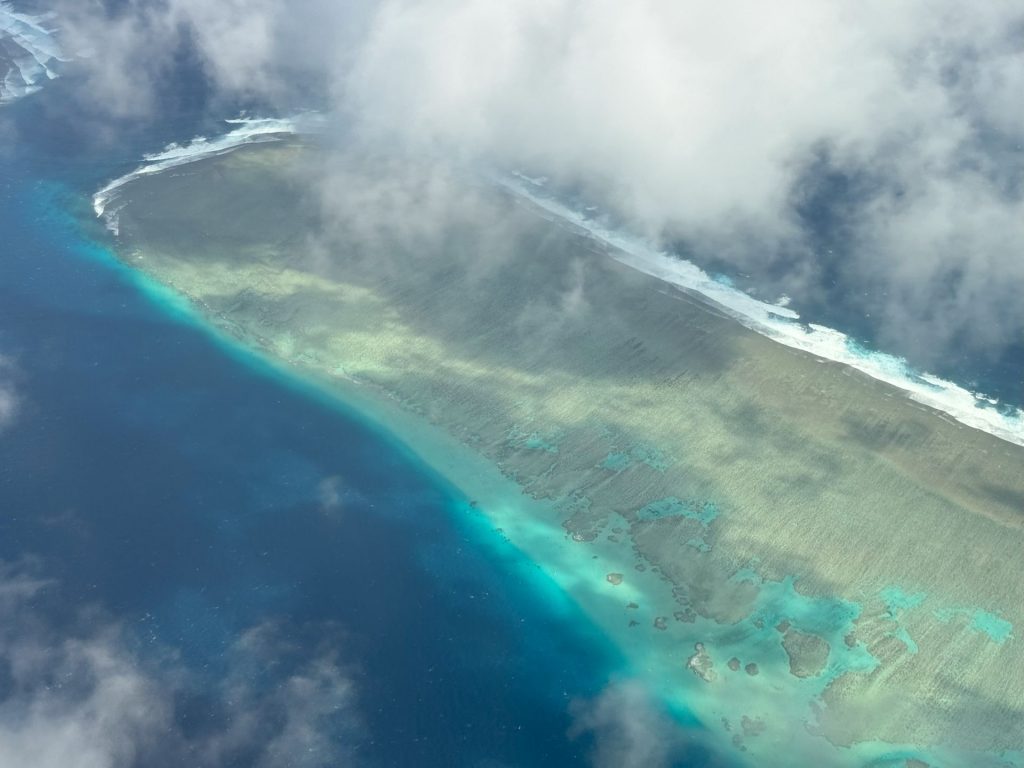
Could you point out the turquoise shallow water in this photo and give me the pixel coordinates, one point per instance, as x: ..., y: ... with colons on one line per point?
x: 182, y: 488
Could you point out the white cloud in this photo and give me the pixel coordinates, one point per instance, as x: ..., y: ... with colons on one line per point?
x: 80, y: 695
x: 703, y: 122
x: 9, y: 400
x: 330, y: 492
x: 710, y: 124
x: 630, y: 730
x: 263, y: 48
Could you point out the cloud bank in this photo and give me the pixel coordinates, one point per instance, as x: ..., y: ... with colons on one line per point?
x: 282, y: 53
x: 724, y: 126
x: 836, y: 150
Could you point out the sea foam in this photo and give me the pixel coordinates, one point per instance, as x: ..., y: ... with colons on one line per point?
x: 38, y: 52
x: 780, y: 323
x: 245, y: 131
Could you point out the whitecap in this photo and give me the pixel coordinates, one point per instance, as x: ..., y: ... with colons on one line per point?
x: 782, y: 324
x: 245, y: 131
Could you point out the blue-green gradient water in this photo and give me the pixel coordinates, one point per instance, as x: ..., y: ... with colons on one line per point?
x: 189, y: 496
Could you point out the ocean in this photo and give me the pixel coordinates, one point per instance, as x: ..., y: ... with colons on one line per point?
x: 195, y: 498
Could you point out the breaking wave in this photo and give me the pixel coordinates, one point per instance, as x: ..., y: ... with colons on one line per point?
x: 246, y: 131
x: 780, y: 323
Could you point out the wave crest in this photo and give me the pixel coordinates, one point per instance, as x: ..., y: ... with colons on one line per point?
x: 781, y: 324
x: 246, y: 131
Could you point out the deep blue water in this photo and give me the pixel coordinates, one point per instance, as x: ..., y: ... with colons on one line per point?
x: 173, y: 488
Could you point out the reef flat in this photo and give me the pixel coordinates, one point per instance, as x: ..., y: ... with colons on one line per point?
x: 823, y: 570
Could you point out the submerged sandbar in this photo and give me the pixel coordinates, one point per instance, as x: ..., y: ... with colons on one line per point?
x: 854, y: 549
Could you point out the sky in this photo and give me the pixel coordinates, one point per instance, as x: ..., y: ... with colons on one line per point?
x: 865, y: 144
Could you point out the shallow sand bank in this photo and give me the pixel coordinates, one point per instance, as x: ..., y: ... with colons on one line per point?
x: 611, y: 424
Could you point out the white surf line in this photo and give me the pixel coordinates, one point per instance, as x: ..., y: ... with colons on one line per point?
x: 775, y: 321
x: 246, y: 131
x: 781, y: 324
x: 40, y: 48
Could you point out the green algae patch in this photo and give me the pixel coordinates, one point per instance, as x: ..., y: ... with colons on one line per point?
x: 619, y: 461
x: 533, y: 441
x: 814, y: 629
x: 699, y: 544
x: 704, y: 512
x: 897, y: 601
x: 808, y: 653
x: 996, y: 628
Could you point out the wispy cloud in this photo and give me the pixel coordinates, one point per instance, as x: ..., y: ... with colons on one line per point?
x: 248, y: 48
x: 629, y: 728
x: 81, y: 694
x: 9, y: 400
x: 628, y: 731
